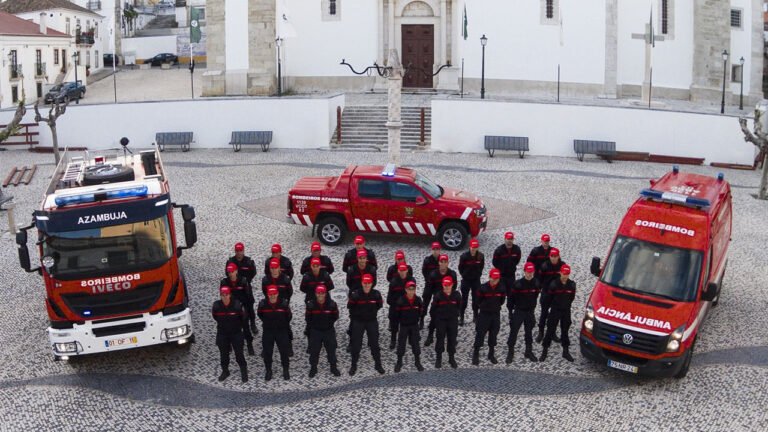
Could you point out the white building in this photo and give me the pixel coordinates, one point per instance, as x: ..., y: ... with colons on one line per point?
x: 31, y: 56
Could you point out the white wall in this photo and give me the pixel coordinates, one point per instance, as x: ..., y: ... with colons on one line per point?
x: 149, y: 46
x: 741, y: 44
x: 236, y: 23
x: 212, y: 121
x: 25, y: 53
x: 460, y: 125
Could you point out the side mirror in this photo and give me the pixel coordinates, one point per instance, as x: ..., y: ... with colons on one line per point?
x: 24, y: 256
x: 21, y: 238
x: 420, y: 200
x: 188, y: 214
x: 595, y: 266
x: 710, y: 293
x: 190, y: 233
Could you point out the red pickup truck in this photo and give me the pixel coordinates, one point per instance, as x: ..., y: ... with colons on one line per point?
x: 385, y: 200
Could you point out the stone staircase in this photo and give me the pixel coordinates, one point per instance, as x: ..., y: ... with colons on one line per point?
x: 363, y: 127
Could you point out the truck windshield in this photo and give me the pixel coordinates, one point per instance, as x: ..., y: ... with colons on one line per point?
x: 109, y: 250
x: 428, y: 186
x: 653, y: 269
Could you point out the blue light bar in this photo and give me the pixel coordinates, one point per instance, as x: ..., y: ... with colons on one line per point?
x: 674, y: 198
x: 720, y: 176
x: 389, y: 170
x: 91, y: 197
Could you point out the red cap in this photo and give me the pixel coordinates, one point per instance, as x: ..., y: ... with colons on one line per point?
x: 565, y: 269
x: 316, y: 246
x: 362, y: 253
x: 239, y: 246
x: 474, y: 243
x: 277, y: 248
x: 447, y: 281
x: 410, y: 284
x: 435, y: 245
x: 231, y: 267
x: 443, y: 257
x: 399, y: 255
x: 545, y: 237
x: 509, y: 235
x: 359, y: 240
x: 272, y: 289
x: 314, y: 261
x: 554, y: 252
x: 402, y: 267
x: 529, y: 267
x: 274, y: 263
x: 367, y: 278
x: 224, y: 290
x: 320, y: 289
x: 494, y: 273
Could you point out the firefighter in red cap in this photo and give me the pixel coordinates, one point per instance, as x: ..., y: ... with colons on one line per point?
x: 285, y: 264
x: 364, y: 305
x: 540, y: 253
x: 506, y: 257
x: 432, y: 286
x: 393, y: 269
x: 430, y: 263
x: 397, y: 290
x: 241, y: 290
x: 358, y: 269
x: 275, y: 276
x: 316, y: 252
x: 321, y: 316
x: 562, y: 291
x: 445, y: 312
x: 350, y: 258
x: 275, y: 314
x: 490, y: 298
x: 230, y: 324
x: 549, y: 271
x: 521, y: 304
x: 471, y: 264
x: 245, y: 265
x: 314, y: 277
x: 408, y: 310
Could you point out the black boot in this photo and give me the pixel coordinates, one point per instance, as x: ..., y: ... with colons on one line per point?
x: 529, y: 354
x: 540, y: 334
x: 312, y: 371
x: 379, y: 368
x: 335, y: 370
x: 286, y: 373
x: 510, y: 355
x: 268, y: 374
x: 399, y: 364
x: 461, y: 320
x: 224, y: 374
x: 250, y: 348
x: 474, y: 316
x: 452, y: 361
x: 353, y: 368
x: 430, y: 338
x: 544, y: 354
x: 567, y: 355
x: 556, y: 339
x: 438, y: 360
x: 244, y: 374
x: 290, y: 349
x: 419, y: 367
x: 492, y: 355
x: 476, y: 356
x: 392, y: 340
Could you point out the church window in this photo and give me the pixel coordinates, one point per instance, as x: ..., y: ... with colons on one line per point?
x: 550, y: 9
x: 736, y: 18
x: 664, y: 16
x: 331, y: 10
x: 664, y: 19
x: 736, y: 73
x: 550, y: 12
x: 332, y: 7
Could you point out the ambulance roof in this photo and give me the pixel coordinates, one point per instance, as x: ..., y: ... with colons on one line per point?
x: 698, y: 187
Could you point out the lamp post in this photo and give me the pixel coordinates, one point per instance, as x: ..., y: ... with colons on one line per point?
x: 279, y: 42
x: 725, y: 60
x: 741, y: 87
x: 483, y: 42
x: 76, y: 58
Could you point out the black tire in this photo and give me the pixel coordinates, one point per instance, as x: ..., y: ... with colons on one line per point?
x: 94, y: 175
x: 687, y: 363
x: 331, y: 231
x: 452, y: 236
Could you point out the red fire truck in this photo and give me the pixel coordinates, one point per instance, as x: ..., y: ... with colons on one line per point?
x: 663, y: 273
x: 386, y: 200
x: 107, y: 243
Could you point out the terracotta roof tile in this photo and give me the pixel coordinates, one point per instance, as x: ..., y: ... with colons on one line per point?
x: 21, y: 6
x: 11, y: 25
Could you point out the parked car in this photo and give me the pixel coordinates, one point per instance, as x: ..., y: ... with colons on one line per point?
x: 109, y: 58
x: 65, y: 92
x: 163, y: 58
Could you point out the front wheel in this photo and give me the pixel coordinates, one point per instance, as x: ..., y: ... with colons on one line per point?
x: 452, y: 236
x: 331, y: 231
x: 686, y: 364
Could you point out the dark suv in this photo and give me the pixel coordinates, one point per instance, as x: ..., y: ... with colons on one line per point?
x: 109, y: 58
x: 65, y: 92
x: 163, y: 58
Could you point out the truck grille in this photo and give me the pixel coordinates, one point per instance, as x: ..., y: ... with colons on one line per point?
x: 138, y: 299
x: 641, y: 342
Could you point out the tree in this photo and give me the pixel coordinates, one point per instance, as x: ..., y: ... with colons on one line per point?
x: 12, y: 127
x: 57, y: 110
x: 759, y: 138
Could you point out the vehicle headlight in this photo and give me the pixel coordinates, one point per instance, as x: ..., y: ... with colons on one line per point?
x: 590, y: 312
x: 589, y: 325
x: 675, y: 338
x: 175, y: 332
x: 66, y: 347
x: 48, y: 261
x: 673, y: 345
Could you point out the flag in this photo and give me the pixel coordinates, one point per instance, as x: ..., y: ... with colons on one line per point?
x: 194, y: 26
x: 285, y: 28
x: 650, y: 22
x: 464, y: 26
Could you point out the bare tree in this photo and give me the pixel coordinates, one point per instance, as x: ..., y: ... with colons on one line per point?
x: 758, y: 137
x: 57, y: 110
x: 12, y: 127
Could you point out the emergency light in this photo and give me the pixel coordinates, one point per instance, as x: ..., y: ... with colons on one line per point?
x: 138, y: 191
x: 389, y: 170
x: 674, y: 198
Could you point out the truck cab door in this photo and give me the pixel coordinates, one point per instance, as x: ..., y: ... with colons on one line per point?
x: 411, y: 210
x: 369, y: 208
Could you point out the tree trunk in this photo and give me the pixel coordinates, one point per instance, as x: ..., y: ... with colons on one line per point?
x: 763, y: 179
x: 55, y: 140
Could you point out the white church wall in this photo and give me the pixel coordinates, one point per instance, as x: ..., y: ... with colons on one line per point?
x: 741, y: 45
x: 149, y: 46
x: 236, y: 18
x: 459, y: 125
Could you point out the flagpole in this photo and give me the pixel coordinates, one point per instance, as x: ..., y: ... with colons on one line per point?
x: 191, y: 68
x: 114, y: 54
x: 558, y: 82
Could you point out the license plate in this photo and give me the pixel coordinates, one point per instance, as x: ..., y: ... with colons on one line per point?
x: 120, y: 342
x: 622, y: 366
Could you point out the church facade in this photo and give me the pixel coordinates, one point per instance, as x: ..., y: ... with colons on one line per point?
x: 589, y: 48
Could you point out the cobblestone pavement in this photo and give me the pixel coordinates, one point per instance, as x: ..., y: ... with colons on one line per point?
x: 172, y: 388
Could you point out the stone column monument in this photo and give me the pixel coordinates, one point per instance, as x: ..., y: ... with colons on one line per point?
x: 394, y: 103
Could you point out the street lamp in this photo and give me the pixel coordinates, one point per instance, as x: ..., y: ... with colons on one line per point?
x: 741, y: 88
x: 483, y: 42
x: 725, y: 60
x: 279, y: 42
x: 76, y: 57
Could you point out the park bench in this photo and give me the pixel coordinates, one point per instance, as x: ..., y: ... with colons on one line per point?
x: 183, y: 139
x: 518, y: 144
x: 604, y: 149
x: 241, y: 138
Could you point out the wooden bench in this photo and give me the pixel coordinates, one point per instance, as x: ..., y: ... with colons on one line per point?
x: 23, y: 136
x: 241, y: 138
x: 518, y: 144
x: 604, y: 149
x: 183, y: 139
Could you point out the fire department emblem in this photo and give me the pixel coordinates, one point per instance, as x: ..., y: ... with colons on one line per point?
x: 628, y: 339
x: 408, y: 211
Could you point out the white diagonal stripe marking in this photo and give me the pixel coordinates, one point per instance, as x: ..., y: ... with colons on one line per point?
x: 420, y: 227
x: 296, y: 219
x: 395, y: 227
x: 308, y: 220
x: 408, y: 227
x: 359, y: 225
x: 432, y: 229
x: 383, y: 226
x: 466, y: 213
x: 371, y: 225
